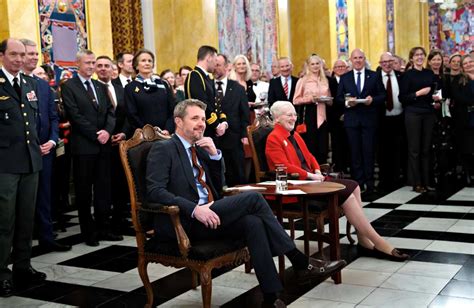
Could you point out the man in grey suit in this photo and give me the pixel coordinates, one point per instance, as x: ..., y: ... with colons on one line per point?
x: 20, y: 164
x: 186, y: 171
x: 91, y: 114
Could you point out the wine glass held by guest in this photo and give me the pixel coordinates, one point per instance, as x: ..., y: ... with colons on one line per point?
x: 148, y: 98
x: 284, y: 146
x: 308, y: 93
x: 416, y: 94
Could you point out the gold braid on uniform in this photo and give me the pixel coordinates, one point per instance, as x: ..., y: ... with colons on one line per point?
x: 212, y: 119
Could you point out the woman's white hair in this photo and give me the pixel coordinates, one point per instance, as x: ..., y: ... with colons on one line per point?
x: 278, y: 108
x: 248, y: 73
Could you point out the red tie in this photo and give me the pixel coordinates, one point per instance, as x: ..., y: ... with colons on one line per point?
x: 389, y: 94
x: 200, y: 175
x: 285, y: 87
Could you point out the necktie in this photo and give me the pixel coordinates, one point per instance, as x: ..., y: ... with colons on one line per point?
x: 359, y: 90
x: 285, y: 87
x: 219, y: 95
x: 16, y: 87
x: 389, y: 94
x: 200, y: 174
x: 109, y: 92
x: 90, y: 92
x: 304, y: 165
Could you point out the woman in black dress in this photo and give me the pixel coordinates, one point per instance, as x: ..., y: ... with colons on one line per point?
x: 149, y: 99
x: 462, y: 92
x: 416, y: 94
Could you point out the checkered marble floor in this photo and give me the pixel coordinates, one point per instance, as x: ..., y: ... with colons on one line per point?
x: 436, y: 229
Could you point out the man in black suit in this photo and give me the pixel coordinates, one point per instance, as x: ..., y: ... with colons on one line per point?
x: 335, y: 112
x: 185, y: 171
x: 48, y: 130
x: 120, y: 195
x: 235, y: 105
x: 91, y: 114
x: 364, y: 93
x: 391, y: 134
x: 199, y: 85
x: 125, y: 66
x: 282, y: 88
x: 20, y: 164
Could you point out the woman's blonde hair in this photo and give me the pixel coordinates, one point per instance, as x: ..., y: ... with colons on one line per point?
x: 233, y: 74
x: 322, y: 74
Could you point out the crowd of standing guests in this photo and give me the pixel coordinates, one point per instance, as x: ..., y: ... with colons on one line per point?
x: 416, y: 120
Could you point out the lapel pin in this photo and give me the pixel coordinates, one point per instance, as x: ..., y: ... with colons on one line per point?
x: 137, y: 90
x: 285, y: 143
x: 2, y: 80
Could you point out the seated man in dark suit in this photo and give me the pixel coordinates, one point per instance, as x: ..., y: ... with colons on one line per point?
x: 186, y: 171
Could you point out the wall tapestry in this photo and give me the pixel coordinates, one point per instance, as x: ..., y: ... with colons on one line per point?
x: 248, y: 27
x: 451, y: 26
x: 63, y: 33
x: 342, y: 29
x: 390, y: 26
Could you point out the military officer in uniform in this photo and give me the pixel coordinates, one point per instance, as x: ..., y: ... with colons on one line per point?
x: 20, y: 164
x: 199, y: 85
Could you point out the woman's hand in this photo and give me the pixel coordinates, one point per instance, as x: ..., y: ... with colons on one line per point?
x: 423, y: 91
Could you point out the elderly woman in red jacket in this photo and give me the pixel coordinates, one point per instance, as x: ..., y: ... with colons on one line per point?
x: 284, y: 146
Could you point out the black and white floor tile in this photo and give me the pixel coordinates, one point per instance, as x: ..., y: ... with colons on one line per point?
x: 437, y: 230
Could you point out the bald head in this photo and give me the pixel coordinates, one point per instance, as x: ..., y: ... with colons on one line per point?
x: 386, y: 61
x: 358, y: 59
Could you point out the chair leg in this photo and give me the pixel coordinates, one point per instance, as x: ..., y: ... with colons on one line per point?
x: 348, y: 232
x: 194, y: 279
x: 248, y: 267
x: 291, y: 223
x: 142, y: 266
x: 206, y: 287
x: 320, y: 231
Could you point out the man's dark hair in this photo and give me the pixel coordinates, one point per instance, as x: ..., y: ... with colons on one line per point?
x: 3, y: 45
x: 104, y: 57
x: 226, y: 59
x: 204, y: 51
x: 119, y: 57
x: 184, y: 67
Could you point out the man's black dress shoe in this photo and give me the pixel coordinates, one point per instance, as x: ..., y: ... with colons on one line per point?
x: 277, y: 303
x: 92, y: 242
x: 319, y: 269
x: 396, y: 255
x: 28, y: 276
x: 108, y: 236
x: 6, y: 289
x: 54, y: 246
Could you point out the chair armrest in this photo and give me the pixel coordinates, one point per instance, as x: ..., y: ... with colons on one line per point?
x: 173, y: 210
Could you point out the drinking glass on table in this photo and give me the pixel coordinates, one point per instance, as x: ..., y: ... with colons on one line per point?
x: 281, y: 178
